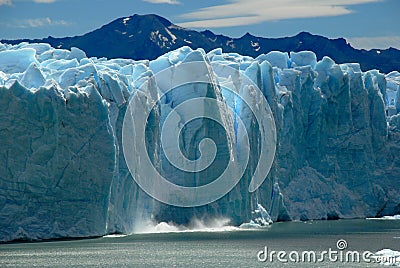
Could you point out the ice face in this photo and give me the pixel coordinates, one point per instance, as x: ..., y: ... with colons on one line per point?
x: 393, y: 91
x: 276, y: 59
x: 303, y: 58
x: 63, y: 172
x: 17, y: 61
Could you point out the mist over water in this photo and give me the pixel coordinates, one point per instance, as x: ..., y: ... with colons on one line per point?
x: 195, y: 225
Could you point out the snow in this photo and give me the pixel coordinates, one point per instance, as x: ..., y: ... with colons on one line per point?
x: 228, y: 43
x: 63, y: 172
x: 162, y: 40
x: 173, y: 37
x: 125, y: 20
x: 255, y: 45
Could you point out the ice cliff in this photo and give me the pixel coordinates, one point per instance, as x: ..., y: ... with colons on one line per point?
x: 63, y: 171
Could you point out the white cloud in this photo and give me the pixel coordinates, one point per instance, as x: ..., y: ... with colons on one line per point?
x: 247, y: 12
x: 170, y: 2
x: 5, y: 3
x: 9, y: 2
x: 44, y: 1
x: 39, y: 22
x: 379, y: 42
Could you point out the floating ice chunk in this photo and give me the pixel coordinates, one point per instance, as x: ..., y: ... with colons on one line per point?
x: 387, y: 257
x: 260, y: 219
x: 251, y: 225
x: 261, y: 216
x: 395, y: 217
x: 115, y: 236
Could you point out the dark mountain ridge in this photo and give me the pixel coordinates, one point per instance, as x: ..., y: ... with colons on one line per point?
x: 149, y: 36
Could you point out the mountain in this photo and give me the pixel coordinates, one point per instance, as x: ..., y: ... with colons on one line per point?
x: 150, y: 36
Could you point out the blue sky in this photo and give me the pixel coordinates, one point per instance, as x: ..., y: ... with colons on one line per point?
x: 364, y: 23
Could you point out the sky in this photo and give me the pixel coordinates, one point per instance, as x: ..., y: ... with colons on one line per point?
x: 364, y: 23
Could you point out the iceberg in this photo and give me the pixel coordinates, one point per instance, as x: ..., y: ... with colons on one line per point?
x: 394, y: 217
x: 64, y: 171
x: 387, y: 257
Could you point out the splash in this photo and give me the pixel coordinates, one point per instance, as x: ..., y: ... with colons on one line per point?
x: 115, y: 235
x: 195, y: 225
x: 261, y: 219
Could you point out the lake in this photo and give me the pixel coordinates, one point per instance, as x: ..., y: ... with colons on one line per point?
x: 230, y: 247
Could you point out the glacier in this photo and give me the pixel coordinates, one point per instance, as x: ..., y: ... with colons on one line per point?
x: 63, y: 172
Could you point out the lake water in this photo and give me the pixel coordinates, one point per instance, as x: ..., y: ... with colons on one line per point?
x: 213, y: 248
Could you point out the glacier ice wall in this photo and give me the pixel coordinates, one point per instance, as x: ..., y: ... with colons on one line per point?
x: 63, y: 172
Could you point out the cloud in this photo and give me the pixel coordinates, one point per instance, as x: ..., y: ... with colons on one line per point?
x: 379, y: 42
x: 38, y: 22
x: 10, y: 3
x: 247, y: 12
x: 5, y: 3
x: 170, y: 2
x: 44, y: 1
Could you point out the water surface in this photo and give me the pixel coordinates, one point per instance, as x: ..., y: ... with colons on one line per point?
x: 230, y: 248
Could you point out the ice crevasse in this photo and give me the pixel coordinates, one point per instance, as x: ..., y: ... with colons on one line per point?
x: 62, y: 167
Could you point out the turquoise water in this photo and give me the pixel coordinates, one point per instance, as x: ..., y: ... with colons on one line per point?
x: 235, y: 248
